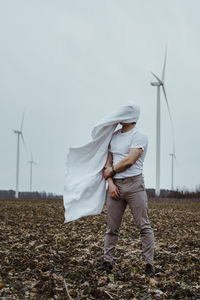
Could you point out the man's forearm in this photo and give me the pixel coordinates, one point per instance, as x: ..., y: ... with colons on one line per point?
x: 123, y: 165
x: 110, y: 181
x: 108, y: 164
x: 128, y: 161
x: 110, y: 170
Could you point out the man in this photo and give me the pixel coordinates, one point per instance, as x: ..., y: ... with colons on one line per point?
x: 123, y: 172
x: 85, y: 186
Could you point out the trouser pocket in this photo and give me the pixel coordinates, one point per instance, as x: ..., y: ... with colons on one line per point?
x: 137, y: 185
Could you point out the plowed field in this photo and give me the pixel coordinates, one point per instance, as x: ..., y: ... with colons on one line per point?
x: 43, y: 258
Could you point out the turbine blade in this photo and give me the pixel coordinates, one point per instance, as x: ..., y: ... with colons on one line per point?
x: 33, y: 159
x: 31, y: 155
x: 174, y: 152
x: 156, y: 77
x: 164, y: 66
x: 22, y: 121
x: 164, y: 92
x: 24, y: 142
x: 175, y: 155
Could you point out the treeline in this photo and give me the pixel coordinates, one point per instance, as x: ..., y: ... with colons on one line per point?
x: 28, y: 195
x: 178, y: 194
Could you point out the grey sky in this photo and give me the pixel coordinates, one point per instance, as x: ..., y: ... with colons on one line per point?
x: 70, y: 62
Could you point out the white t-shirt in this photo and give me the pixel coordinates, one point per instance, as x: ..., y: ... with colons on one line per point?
x: 120, y: 145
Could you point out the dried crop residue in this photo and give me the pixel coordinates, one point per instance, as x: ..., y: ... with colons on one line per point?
x: 43, y: 258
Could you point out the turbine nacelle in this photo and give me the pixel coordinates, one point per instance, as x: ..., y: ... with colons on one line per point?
x: 156, y: 83
x: 32, y: 162
x: 159, y: 82
x: 17, y: 131
x: 173, y: 155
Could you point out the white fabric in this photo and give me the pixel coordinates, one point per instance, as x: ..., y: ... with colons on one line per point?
x: 120, y: 145
x: 85, y: 186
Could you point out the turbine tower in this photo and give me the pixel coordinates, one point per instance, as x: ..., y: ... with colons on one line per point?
x: 31, y: 170
x: 160, y: 84
x: 172, y: 174
x: 19, y: 135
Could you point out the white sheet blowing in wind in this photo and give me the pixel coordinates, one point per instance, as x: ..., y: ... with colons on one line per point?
x: 85, y: 186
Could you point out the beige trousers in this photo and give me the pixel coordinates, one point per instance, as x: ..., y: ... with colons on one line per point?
x: 132, y: 192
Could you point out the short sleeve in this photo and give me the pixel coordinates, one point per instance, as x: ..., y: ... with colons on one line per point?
x: 139, y: 140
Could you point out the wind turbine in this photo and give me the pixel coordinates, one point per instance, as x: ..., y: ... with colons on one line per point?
x: 19, y: 134
x: 160, y: 84
x: 31, y: 170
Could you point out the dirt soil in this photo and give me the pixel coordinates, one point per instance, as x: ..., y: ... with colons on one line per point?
x: 43, y: 258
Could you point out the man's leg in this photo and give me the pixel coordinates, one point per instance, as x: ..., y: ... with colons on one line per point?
x: 138, y: 203
x: 115, y: 211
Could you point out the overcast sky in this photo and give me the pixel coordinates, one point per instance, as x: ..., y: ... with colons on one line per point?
x: 70, y: 62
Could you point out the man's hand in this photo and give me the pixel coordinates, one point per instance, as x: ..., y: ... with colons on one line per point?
x: 107, y: 172
x: 114, y: 191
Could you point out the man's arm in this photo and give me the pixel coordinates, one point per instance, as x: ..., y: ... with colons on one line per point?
x: 124, y: 164
x: 109, y: 161
x: 113, y: 189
